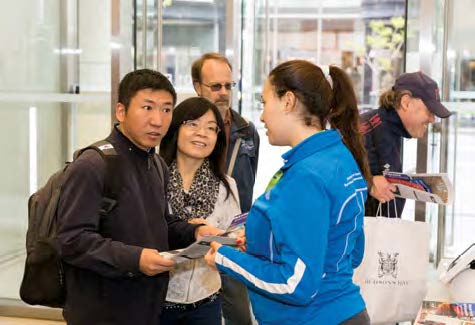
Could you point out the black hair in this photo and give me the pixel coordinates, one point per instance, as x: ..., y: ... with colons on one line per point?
x: 143, y: 79
x: 324, y: 103
x: 192, y: 109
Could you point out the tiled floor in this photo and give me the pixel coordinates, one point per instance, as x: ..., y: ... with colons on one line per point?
x: 27, y: 321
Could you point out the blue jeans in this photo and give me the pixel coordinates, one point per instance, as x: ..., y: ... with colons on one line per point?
x: 236, y: 307
x: 208, y: 313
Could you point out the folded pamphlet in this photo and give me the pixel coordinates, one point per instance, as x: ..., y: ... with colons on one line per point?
x: 237, y: 224
x: 433, y: 188
x: 199, y: 248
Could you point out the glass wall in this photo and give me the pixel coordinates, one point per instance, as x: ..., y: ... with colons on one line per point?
x: 436, y: 44
x: 460, y: 96
x: 29, y: 66
x: 425, y: 36
x: 175, y: 33
x: 55, y: 81
x: 55, y: 85
x: 365, y: 38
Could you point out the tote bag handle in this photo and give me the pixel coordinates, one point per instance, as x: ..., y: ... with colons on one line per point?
x: 379, y: 211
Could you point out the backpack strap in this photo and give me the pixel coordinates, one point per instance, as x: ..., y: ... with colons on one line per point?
x: 111, y: 180
x: 237, y: 144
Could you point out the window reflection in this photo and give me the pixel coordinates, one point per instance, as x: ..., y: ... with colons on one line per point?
x: 189, y: 29
x: 460, y: 217
x: 366, y: 38
x: 54, y: 98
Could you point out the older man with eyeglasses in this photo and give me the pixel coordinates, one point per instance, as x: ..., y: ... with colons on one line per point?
x: 212, y: 79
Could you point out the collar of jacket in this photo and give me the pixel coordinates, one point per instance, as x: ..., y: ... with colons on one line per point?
x: 317, y: 142
x: 128, y: 145
x: 238, y: 123
x: 391, y: 117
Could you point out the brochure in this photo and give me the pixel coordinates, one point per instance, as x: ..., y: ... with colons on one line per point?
x: 237, y: 224
x: 446, y: 313
x: 200, y: 248
x: 433, y: 188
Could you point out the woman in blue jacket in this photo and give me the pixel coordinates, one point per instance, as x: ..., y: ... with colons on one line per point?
x: 305, y: 233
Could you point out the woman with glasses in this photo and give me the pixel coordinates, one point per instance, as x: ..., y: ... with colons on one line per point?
x: 199, y: 192
x: 305, y: 233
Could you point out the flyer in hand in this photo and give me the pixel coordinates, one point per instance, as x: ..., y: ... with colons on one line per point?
x: 433, y: 188
x: 236, y: 225
x: 200, y: 248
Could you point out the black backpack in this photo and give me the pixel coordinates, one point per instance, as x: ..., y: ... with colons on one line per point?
x: 43, y: 280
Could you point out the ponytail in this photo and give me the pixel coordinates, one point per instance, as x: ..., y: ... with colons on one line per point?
x: 391, y: 99
x: 344, y: 116
x: 325, y: 100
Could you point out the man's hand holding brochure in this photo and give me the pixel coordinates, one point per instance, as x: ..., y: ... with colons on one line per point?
x: 199, y: 248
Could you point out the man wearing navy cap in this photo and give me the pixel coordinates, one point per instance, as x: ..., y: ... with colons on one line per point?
x: 405, y: 112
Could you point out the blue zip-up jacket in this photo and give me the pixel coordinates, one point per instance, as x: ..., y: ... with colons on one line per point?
x: 304, y: 237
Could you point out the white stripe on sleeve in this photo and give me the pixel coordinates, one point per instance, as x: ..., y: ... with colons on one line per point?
x: 275, y: 288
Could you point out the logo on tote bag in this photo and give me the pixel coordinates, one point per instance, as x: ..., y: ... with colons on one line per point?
x: 387, y: 264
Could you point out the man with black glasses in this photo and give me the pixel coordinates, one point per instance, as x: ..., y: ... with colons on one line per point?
x: 212, y: 79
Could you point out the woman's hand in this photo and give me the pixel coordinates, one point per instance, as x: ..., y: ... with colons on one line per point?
x: 241, y: 239
x: 198, y: 221
x: 203, y: 231
x: 211, y: 255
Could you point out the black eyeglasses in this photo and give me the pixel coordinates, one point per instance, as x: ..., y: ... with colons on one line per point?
x: 218, y: 86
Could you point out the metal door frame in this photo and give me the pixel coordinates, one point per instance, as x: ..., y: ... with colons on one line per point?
x: 427, y: 24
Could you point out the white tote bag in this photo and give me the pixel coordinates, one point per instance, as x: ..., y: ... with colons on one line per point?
x: 393, y: 273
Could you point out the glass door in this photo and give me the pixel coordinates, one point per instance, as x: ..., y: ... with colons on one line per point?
x: 459, y: 221
x: 366, y: 38
x: 436, y: 45
x: 55, y: 97
x: 175, y: 33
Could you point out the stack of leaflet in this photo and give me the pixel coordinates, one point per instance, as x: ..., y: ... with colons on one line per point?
x: 434, y: 188
x: 398, y: 178
x: 199, y: 248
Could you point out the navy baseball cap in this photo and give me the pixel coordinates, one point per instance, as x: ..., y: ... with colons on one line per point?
x: 423, y: 87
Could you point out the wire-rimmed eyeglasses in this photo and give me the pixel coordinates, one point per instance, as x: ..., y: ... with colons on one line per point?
x: 194, y: 126
x: 217, y: 86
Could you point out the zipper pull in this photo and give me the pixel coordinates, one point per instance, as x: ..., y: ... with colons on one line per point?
x: 386, y: 169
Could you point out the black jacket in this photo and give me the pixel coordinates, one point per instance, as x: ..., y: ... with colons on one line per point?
x: 245, y: 168
x: 383, y: 133
x: 104, y: 284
